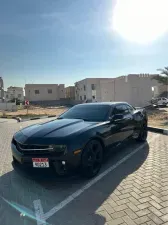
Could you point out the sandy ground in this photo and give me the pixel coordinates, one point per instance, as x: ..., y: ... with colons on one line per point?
x: 157, y: 117
x: 37, y: 111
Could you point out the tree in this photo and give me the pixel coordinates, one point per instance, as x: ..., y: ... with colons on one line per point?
x: 163, y: 77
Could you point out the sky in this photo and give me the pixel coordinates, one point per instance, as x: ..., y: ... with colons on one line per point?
x: 64, y: 41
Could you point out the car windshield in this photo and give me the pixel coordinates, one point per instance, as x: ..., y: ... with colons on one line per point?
x: 87, y: 112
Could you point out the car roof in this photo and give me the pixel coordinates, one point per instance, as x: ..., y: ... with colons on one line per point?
x: 104, y: 103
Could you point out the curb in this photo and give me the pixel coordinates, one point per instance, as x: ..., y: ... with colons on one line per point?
x: 158, y: 130
x: 13, y: 117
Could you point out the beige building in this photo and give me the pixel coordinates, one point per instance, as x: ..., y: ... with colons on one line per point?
x: 14, y: 93
x: 135, y: 89
x: 70, y: 92
x: 89, y: 89
x: 44, y: 92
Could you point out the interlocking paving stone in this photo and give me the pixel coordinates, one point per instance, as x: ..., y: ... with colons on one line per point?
x: 139, y: 197
x: 118, y: 214
x: 131, y: 214
x: 142, y: 219
x: 116, y: 222
x: 155, y: 211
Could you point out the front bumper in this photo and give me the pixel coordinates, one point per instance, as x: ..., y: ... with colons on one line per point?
x: 24, y: 162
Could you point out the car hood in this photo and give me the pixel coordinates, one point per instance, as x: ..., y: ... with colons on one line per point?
x: 54, y: 129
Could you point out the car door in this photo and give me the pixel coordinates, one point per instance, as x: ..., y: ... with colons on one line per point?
x: 129, y: 120
x: 111, y: 132
x: 126, y: 125
x: 119, y: 129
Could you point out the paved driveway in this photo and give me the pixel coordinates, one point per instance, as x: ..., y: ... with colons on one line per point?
x: 132, y: 188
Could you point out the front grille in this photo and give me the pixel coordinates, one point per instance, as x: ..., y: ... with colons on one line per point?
x: 33, y: 147
x: 36, y: 149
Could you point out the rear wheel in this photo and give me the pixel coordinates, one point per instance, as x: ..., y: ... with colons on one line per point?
x: 143, y: 132
x: 92, y: 158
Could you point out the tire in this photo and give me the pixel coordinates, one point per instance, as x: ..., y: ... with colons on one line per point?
x: 143, y: 133
x: 92, y: 158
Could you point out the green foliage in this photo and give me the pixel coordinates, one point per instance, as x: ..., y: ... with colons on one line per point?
x: 163, y: 77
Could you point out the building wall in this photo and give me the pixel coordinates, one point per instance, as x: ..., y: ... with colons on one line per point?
x: 122, y: 89
x: 84, y: 88
x: 107, y: 91
x: 14, y: 92
x: 141, y: 89
x: 115, y: 90
x: 61, y: 91
x: 44, y: 92
x: 8, y: 106
x: 135, y: 89
x: 70, y: 92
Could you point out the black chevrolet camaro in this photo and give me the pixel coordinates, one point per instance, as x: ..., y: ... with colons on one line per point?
x: 79, y: 137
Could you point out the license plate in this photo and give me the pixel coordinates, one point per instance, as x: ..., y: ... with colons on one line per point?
x: 40, y: 162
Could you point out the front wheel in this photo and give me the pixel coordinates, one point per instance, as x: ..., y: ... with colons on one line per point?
x: 143, y: 134
x: 92, y: 158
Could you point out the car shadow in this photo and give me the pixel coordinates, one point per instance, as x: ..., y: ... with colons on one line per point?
x: 87, y: 208
x: 18, y: 193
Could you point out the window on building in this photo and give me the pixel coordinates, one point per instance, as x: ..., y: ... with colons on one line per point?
x: 93, y: 97
x: 93, y: 86
x: 19, y: 95
x: 84, y: 87
x: 80, y: 97
x: 37, y: 92
x: 84, y: 97
x: 49, y: 91
x: 6, y: 96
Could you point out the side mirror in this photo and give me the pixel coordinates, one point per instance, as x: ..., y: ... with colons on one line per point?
x: 118, y: 117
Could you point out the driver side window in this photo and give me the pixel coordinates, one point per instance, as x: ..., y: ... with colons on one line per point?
x: 119, y: 109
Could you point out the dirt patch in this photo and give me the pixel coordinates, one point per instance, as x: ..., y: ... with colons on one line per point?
x: 36, y: 111
x: 158, y: 117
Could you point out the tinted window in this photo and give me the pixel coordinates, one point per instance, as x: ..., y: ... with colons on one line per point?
x: 87, y: 112
x: 121, y: 109
x: 130, y: 108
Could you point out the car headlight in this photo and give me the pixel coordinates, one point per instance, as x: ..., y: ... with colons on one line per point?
x: 58, y: 148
